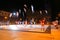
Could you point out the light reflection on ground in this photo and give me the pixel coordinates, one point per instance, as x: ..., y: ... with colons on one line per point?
x: 29, y: 35
x: 18, y: 35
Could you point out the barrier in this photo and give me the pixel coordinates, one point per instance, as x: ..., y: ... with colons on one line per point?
x: 22, y: 27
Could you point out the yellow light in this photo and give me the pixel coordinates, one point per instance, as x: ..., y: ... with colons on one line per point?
x: 20, y: 18
x: 5, y: 17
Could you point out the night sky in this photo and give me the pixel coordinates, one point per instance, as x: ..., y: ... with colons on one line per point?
x: 10, y: 5
x: 39, y: 4
x: 16, y: 4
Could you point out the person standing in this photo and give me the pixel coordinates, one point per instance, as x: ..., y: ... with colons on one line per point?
x: 32, y: 21
x: 42, y: 22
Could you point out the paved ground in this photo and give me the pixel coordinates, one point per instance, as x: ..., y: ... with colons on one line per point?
x: 19, y: 35
x: 33, y: 34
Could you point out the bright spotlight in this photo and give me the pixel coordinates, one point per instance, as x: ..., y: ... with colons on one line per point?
x: 24, y: 10
x: 17, y: 14
x: 10, y: 15
x: 19, y: 10
x: 46, y: 11
x: 32, y: 8
x: 25, y: 5
x: 40, y: 12
x: 14, y: 13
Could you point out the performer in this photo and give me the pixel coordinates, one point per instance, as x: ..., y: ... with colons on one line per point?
x: 26, y: 22
x: 42, y: 22
x: 32, y: 21
x: 55, y: 23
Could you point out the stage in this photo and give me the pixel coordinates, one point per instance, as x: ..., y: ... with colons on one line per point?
x: 24, y: 27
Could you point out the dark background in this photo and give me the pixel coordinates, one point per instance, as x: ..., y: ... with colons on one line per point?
x: 39, y: 4
x: 10, y: 5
